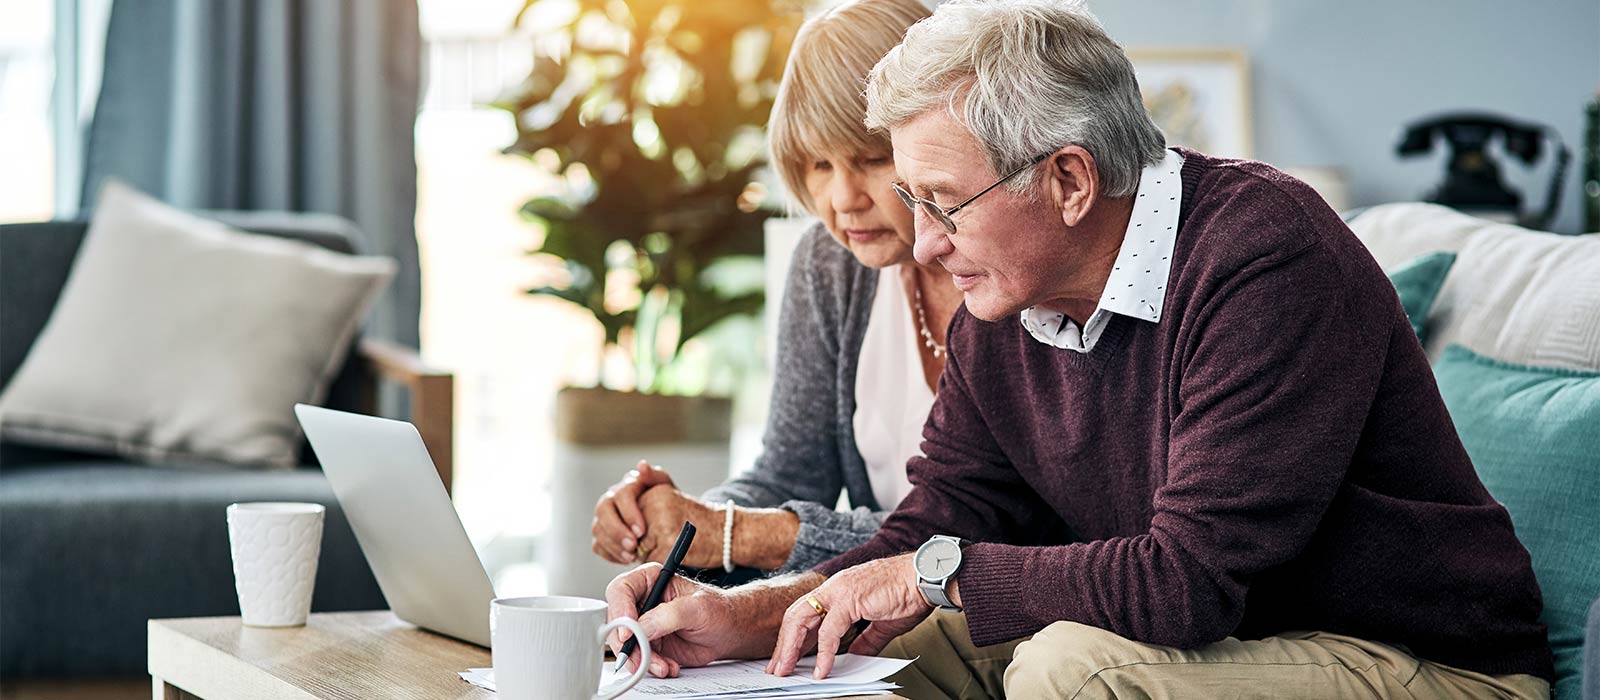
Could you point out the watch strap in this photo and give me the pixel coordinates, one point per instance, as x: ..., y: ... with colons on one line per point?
x: 935, y: 594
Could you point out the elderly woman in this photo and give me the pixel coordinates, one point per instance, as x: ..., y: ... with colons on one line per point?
x: 860, y: 345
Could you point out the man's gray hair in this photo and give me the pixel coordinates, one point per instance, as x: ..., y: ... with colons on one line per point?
x: 1026, y: 77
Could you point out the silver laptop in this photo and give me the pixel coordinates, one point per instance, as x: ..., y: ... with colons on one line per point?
x: 406, y: 525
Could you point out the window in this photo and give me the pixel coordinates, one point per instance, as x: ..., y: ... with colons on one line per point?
x: 51, y: 52
x: 27, y: 66
x: 476, y: 319
x: 510, y: 351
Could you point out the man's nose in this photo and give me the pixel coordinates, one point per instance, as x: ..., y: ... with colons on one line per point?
x: 932, y: 243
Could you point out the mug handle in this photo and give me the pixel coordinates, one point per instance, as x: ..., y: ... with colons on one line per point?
x: 643, y: 654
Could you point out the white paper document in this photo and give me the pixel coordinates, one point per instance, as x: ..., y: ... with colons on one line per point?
x: 748, y: 680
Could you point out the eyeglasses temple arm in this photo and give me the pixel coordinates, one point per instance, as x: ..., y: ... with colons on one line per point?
x: 1036, y: 160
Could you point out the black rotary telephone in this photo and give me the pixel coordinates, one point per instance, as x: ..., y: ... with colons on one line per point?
x: 1472, y: 180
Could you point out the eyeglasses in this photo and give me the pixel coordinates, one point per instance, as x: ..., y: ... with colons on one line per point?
x: 942, y: 215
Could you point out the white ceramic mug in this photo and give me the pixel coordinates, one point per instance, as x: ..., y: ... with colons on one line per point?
x: 549, y: 647
x: 275, y: 548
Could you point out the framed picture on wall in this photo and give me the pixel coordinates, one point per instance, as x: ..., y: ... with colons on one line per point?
x: 1199, y: 97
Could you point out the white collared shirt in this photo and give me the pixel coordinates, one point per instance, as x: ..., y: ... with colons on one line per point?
x: 1138, y: 281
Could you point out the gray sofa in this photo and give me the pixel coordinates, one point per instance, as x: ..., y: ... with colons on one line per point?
x: 92, y: 546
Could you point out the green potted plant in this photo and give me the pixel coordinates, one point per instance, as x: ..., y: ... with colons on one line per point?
x: 652, y: 112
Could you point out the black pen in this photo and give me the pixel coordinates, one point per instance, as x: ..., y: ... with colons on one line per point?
x: 668, y: 570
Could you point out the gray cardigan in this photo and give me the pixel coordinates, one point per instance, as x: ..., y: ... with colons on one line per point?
x: 809, y: 450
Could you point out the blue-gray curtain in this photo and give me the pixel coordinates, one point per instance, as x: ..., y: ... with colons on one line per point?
x: 290, y: 105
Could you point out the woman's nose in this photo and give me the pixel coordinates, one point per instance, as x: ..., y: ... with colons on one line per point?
x: 849, y: 193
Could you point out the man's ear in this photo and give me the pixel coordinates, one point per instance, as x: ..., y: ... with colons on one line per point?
x: 1074, y: 183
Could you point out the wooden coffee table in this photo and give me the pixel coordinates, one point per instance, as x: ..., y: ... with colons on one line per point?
x: 334, y: 657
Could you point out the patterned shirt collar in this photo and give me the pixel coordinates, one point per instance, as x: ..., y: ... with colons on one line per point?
x: 1138, y: 281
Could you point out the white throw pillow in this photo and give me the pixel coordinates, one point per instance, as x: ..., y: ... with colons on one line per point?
x: 1514, y: 294
x: 178, y: 339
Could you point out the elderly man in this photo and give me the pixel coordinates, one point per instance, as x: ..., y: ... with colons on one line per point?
x: 1186, y: 444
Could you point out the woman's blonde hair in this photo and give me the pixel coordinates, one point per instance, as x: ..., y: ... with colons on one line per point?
x: 821, y: 103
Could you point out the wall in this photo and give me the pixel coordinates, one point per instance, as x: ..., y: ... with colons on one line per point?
x: 1332, y: 82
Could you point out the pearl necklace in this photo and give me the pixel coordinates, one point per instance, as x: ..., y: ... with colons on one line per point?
x: 922, y: 324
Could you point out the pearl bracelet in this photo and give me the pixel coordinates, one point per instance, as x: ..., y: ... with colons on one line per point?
x: 727, y: 536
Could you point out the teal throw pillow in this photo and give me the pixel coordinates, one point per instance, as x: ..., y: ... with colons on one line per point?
x: 1418, y: 282
x: 1534, y: 436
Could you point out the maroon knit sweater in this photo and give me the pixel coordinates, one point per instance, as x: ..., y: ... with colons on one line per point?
x: 1273, y: 455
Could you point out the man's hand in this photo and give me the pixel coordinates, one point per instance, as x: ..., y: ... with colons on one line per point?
x: 883, y: 591
x: 693, y: 626
x: 697, y: 623
x: 666, y: 508
x: 619, y: 525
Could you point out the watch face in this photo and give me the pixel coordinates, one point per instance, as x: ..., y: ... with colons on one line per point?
x: 938, y: 559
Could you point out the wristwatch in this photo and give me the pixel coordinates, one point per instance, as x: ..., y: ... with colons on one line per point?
x: 937, y: 561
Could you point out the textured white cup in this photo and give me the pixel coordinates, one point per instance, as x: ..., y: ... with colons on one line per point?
x: 548, y: 647
x: 275, y: 548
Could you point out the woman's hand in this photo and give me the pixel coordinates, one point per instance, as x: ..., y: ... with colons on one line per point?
x: 619, y: 524
x: 666, y: 508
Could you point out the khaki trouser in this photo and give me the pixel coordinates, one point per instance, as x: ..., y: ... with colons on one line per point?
x: 1074, y: 661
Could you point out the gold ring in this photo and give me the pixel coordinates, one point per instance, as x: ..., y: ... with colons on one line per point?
x: 816, y: 605
x: 641, y: 551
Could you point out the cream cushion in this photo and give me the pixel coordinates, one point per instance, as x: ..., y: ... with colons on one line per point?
x: 1516, y: 295
x: 180, y: 340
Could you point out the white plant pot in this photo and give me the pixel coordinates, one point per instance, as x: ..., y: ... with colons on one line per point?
x: 582, y: 473
x: 600, y: 436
